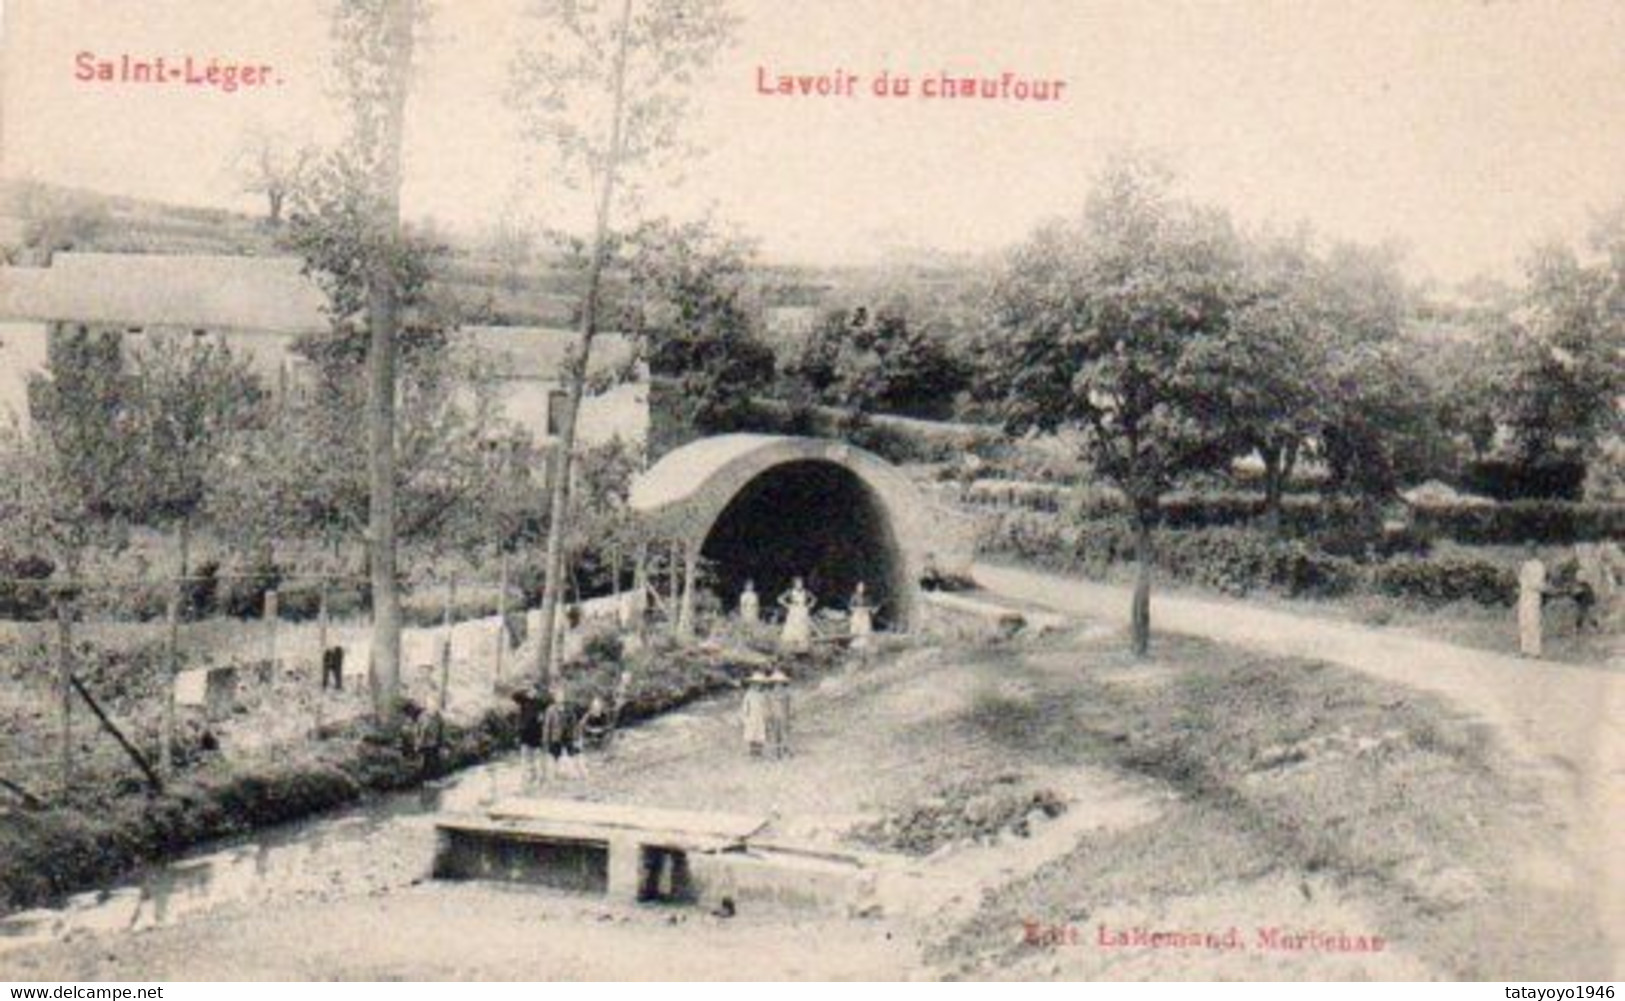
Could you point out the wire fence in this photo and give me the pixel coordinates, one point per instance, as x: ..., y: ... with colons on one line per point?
x: 97, y: 692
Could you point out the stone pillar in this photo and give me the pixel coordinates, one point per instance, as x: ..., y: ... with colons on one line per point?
x: 625, y: 868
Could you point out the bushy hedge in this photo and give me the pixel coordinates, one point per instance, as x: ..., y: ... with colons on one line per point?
x: 1558, y: 523
x: 20, y: 598
x: 1438, y: 581
x: 1237, y: 561
x: 1340, y: 525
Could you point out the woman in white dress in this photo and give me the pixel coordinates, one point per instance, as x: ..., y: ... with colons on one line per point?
x: 863, y: 619
x: 750, y: 606
x: 798, y: 604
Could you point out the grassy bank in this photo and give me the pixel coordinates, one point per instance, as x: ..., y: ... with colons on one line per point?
x: 98, y: 838
x: 1292, y: 793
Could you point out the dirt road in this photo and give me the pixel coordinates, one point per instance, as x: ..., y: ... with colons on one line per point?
x: 1564, y: 723
x: 1212, y: 794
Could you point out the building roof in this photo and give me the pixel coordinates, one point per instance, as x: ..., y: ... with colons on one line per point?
x: 208, y: 291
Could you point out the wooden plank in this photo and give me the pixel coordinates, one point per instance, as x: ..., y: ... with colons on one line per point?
x: 577, y: 833
x: 614, y: 815
x: 129, y: 748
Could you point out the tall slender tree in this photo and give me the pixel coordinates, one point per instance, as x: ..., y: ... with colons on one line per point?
x: 606, y: 90
x: 373, y: 55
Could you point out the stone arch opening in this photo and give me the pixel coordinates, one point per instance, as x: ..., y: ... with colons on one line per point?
x: 815, y: 519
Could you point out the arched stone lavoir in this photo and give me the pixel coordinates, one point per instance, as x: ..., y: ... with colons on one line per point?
x: 769, y: 508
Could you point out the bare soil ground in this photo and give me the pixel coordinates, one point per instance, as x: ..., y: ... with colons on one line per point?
x: 1207, y: 790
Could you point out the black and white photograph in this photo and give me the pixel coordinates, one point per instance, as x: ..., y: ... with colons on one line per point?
x: 756, y: 490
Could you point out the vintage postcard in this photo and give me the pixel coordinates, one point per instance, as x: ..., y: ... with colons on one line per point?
x: 698, y: 490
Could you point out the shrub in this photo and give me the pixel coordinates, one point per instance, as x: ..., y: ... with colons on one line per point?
x: 1558, y: 523
x: 1513, y: 481
x: 1449, y: 579
x: 300, y: 600
x: 604, y: 646
x: 243, y: 596
x: 201, y: 590
x: 427, y: 607
x: 20, y: 599
x: 1233, y: 560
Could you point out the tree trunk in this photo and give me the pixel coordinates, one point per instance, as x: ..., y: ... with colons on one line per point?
x: 1272, y: 489
x: 685, y: 611
x: 1140, y: 616
x: 640, y: 589
x: 382, y: 321
x: 558, y: 507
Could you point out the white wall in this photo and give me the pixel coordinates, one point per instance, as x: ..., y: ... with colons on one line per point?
x: 22, y: 353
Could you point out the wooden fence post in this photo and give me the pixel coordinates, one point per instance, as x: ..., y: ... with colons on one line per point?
x: 64, y: 675
x: 640, y: 587
x: 502, y: 618
x: 685, y: 612
x: 272, y: 613
x: 674, y: 594
x: 321, y: 619
x: 172, y: 657
x: 445, y: 642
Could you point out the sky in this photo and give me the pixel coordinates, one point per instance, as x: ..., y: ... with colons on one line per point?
x: 1465, y: 132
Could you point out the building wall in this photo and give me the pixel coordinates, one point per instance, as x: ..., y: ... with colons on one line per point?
x: 22, y: 354
x: 622, y: 411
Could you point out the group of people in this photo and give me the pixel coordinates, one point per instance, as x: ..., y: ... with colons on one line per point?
x: 764, y: 714
x: 554, y: 736
x: 796, y: 635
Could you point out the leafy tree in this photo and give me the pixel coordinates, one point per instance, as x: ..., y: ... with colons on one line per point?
x: 1315, y: 361
x: 607, y: 92
x: 1268, y: 370
x: 690, y: 308
x: 70, y: 483
x: 605, y: 524
x: 190, y: 400
x: 272, y: 165
x: 1568, y: 369
x: 1104, y: 319
x: 874, y: 358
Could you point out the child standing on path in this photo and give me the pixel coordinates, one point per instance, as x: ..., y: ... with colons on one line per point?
x: 753, y: 714
x: 778, y: 695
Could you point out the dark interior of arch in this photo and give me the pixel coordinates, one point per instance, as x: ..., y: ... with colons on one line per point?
x: 813, y: 519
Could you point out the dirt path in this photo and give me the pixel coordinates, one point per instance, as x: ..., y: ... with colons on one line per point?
x: 1566, y: 724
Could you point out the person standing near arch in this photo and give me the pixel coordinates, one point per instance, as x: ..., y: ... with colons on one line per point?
x: 750, y: 605
x: 863, y: 620
x: 798, y: 604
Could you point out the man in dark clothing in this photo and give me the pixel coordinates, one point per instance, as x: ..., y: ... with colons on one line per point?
x: 333, y: 667
x: 558, y: 733
x: 530, y: 733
